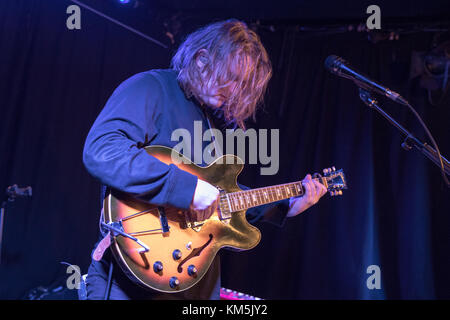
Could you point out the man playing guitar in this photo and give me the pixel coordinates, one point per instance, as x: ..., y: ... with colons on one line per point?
x: 220, y: 71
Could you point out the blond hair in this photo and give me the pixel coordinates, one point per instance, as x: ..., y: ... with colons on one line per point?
x: 234, y: 54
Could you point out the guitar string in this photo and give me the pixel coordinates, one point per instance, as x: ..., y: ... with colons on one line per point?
x: 240, y: 200
x: 272, y: 192
x: 240, y: 194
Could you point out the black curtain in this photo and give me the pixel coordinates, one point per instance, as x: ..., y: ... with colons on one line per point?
x: 395, y: 214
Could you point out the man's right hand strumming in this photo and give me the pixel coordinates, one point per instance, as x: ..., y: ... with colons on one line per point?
x: 204, y: 202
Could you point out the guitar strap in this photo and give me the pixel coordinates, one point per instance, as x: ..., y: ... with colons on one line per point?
x: 101, y: 247
x: 103, y: 244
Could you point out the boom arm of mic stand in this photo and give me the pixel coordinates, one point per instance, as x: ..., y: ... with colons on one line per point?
x: 410, y: 140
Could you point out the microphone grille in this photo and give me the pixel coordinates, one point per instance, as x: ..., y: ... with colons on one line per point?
x: 333, y: 62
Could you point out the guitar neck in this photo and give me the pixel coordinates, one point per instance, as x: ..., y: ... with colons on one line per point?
x: 242, y: 200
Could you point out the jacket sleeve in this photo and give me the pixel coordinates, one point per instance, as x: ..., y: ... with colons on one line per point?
x: 112, y: 153
x: 274, y: 213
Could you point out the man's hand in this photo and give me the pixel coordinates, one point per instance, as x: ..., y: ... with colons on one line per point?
x: 204, y: 202
x: 314, y: 190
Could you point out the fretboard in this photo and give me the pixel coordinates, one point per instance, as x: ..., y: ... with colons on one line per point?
x: 243, y: 200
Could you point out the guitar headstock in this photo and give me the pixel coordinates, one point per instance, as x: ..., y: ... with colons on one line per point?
x: 335, y: 181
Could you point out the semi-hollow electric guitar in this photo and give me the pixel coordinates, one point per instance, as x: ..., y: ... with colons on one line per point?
x: 161, y: 249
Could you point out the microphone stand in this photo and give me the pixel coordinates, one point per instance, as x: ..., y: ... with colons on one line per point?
x: 410, y: 140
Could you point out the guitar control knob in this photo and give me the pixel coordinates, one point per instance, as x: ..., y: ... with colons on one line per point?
x: 192, y: 270
x: 157, y: 266
x: 176, y: 254
x: 174, y: 282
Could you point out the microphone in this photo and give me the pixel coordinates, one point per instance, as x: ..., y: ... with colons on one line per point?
x: 342, y: 68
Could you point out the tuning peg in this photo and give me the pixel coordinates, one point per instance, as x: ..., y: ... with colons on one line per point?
x: 340, y: 192
x: 333, y: 168
x: 332, y: 193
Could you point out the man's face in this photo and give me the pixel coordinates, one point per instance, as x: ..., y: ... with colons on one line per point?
x: 215, y: 96
x: 212, y: 94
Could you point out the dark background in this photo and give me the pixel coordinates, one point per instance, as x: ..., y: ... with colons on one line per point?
x: 395, y: 214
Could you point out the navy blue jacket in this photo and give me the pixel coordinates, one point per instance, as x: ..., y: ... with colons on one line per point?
x: 145, y: 110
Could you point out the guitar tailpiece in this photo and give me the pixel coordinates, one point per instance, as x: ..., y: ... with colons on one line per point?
x: 116, y: 229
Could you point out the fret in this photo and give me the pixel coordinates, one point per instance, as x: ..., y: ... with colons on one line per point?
x: 269, y: 193
x: 272, y: 193
x: 243, y: 200
x: 278, y: 193
x: 228, y: 201
x: 247, y: 198
x: 288, y: 191
x: 283, y: 194
x: 282, y: 191
x: 265, y: 193
x: 297, y: 188
x: 254, y: 199
x: 235, y: 201
x: 258, y: 192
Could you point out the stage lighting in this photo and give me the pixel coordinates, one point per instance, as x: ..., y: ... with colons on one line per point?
x: 128, y: 3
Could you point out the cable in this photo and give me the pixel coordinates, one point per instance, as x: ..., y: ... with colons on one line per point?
x: 120, y: 23
x: 108, y: 284
x: 434, y: 143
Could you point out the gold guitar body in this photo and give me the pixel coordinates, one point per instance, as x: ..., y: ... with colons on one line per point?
x: 183, y: 249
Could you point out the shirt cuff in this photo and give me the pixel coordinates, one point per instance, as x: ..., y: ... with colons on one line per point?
x: 182, y: 189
